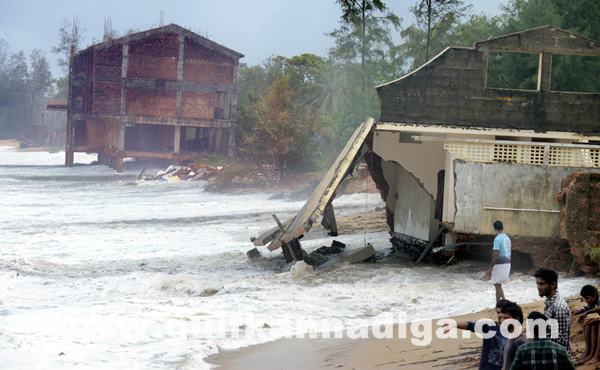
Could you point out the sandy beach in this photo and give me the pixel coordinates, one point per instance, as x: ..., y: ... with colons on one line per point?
x: 381, y: 354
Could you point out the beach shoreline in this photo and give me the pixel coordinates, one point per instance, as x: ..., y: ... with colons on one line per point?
x: 303, y: 353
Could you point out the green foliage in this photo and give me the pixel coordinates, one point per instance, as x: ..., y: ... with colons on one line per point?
x: 297, y: 112
x: 70, y: 36
x: 575, y: 73
x: 594, y: 254
x: 435, y: 17
x: 280, y: 112
x: 461, y: 29
x: 61, y: 87
x: 513, y: 70
x: 581, y: 16
x: 520, y: 15
x: 23, y: 88
x: 365, y: 23
x: 475, y: 28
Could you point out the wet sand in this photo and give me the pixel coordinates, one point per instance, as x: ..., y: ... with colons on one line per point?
x: 381, y: 354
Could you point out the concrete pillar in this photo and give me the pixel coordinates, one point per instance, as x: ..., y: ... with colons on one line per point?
x: 69, y: 154
x: 119, y: 163
x: 69, y: 158
x: 180, y: 60
x: 218, y: 140
x: 544, y: 72
x: 231, y: 144
x: 121, y: 138
x: 69, y: 144
x: 176, y: 139
x: 124, y: 67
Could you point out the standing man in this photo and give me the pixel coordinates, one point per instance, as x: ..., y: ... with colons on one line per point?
x: 555, y: 307
x: 499, y: 270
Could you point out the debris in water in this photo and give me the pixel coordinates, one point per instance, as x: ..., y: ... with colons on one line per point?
x: 301, y: 269
x: 196, y: 171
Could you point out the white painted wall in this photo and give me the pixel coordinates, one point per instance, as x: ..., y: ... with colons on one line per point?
x: 423, y: 160
x: 507, y: 185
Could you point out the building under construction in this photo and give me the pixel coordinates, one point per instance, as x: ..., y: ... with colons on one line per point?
x: 165, y: 93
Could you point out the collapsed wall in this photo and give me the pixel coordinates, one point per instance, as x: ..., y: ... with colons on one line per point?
x: 579, y: 201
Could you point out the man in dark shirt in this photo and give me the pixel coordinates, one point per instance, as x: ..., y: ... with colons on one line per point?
x: 541, y: 353
x: 513, y: 344
x: 555, y: 306
x: 492, y: 352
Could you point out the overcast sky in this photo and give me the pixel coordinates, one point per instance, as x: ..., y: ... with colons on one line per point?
x: 257, y: 29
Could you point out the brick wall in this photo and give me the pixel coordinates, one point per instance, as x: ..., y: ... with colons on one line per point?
x: 451, y: 90
x: 151, y: 102
x: 107, y: 97
x: 154, y: 57
x: 107, y: 63
x: 81, y: 82
x: 197, y: 105
x: 95, y: 133
x: 106, y: 88
x: 206, y: 66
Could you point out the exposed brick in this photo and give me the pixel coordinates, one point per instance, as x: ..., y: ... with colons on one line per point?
x: 107, y: 63
x: 107, y: 97
x: 197, y: 105
x: 206, y: 66
x: 151, y: 103
x: 154, y: 57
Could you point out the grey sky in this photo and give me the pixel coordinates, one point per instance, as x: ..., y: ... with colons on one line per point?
x: 258, y: 28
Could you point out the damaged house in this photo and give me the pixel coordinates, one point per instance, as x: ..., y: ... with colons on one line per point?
x: 165, y: 93
x: 455, y: 148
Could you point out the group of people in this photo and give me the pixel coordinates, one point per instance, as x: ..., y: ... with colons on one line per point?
x: 518, y: 351
x: 542, y: 351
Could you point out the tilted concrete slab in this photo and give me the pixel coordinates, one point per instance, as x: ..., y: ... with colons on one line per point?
x: 322, y: 195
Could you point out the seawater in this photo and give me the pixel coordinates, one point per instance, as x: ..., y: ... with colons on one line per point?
x: 100, y: 271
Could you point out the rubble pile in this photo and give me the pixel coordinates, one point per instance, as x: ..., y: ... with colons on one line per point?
x: 196, y: 171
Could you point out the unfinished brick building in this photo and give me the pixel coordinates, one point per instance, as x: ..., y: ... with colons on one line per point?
x: 166, y: 93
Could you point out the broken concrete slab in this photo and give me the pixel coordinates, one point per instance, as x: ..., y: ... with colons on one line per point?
x: 323, y: 193
x: 253, y: 253
x: 351, y: 256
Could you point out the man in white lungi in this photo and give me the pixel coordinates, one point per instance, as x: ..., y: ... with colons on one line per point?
x: 500, y: 266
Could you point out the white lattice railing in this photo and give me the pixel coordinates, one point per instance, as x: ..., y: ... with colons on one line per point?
x: 552, y: 154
